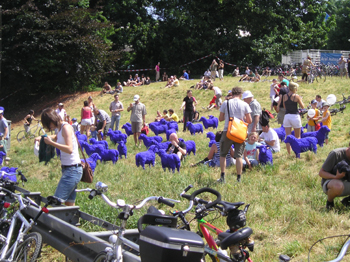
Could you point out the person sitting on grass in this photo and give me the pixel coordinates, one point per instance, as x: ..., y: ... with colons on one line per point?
x: 213, y: 158
x: 119, y: 88
x: 326, y: 118
x: 172, y: 116
x: 159, y: 116
x: 170, y: 82
x: 165, y: 77
x: 212, y: 104
x: 251, y: 152
x: 269, y: 136
x: 185, y: 76
x: 106, y: 89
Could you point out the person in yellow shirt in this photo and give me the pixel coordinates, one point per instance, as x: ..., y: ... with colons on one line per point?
x: 160, y: 116
x: 326, y: 118
x: 172, y: 116
x: 312, y: 122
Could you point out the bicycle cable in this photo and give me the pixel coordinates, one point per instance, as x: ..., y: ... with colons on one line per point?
x: 348, y: 236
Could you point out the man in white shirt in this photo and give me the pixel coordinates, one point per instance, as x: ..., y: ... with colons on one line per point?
x: 320, y: 102
x: 270, y: 137
x: 61, y: 112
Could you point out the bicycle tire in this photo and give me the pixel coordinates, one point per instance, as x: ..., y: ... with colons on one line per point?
x: 42, y: 132
x: 32, y: 132
x: 32, y: 243
x: 101, y: 257
x: 22, y: 135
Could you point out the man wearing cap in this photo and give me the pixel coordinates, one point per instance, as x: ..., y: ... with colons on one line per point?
x: 312, y: 121
x: 234, y: 107
x: 254, y: 105
x: 61, y: 112
x: 4, y: 126
x: 137, y: 118
x: 116, y: 107
x: 104, y: 124
x: 342, y: 68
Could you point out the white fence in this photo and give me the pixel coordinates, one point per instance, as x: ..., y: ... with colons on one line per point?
x: 299, y: 56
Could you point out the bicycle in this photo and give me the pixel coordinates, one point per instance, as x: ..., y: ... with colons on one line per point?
x: 237, y: 238
x: 117, y: 239
x: 24, y: 247
x: 32, y: 132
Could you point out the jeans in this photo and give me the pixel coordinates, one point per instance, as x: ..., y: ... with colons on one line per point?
x: 115, y: 119
x: 68, y: 183
x: 253, y: 162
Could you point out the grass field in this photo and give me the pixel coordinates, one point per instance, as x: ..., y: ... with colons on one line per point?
x: 287, y: 212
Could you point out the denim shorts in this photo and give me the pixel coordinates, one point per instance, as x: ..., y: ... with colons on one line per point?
x: 68, y: 183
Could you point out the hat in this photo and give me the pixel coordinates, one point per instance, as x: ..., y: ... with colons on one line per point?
x: 247, y: 94
x: 74, y: 119
x: 1, y: 134
x: 1, y: 111
x: 60, y: 104
x: 229, y: 92
x: 136, y: 97
x: 325, y: 104
x: 90, y: 97
x: 313, y: 101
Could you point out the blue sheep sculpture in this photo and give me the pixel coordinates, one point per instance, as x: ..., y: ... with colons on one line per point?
x: 281, y: 132
x: 122, y: 149
x: 92, y: 160
x: 302, y: 144
x: 320, y: 134
x: 93, y: 141
x: 147, y: 140
x: 127, y: 128
x: 147, y: 157
x: 194, y: 128
x: 108, y: 154
x: 170, y: 161
x: 265, y: 155
x: 210, y: 122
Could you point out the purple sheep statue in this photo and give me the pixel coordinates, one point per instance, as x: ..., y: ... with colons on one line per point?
x: 127, y: 128
x: 210, y: 122
x: 163, y: 145
x: 81, y: 137
x: 9, y: 170
x: 281, y: 132
x: 147, y: 140
x: 116, y: 136
x: 146, y: 157
x: 9, y: 173
x: 173, y: 125
x: 211, y: 135
x: 122, y: 149
x: 265, y: 155
x: 92, y: 160
x: 190, y: 146
x: 170, y: 161
x: 194, y: 128
x: 90, y: 149
x: 158, y: 129
x: 320, y: 134
x: 302, y: 145
x: 211, y: 142
x: 169, y: 132
x: 104, y: 143
x: 301, y: 131
x: 108, y: 154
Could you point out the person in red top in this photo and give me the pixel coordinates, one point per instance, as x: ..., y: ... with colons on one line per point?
x: 86, y: 115
x: 211, y: 104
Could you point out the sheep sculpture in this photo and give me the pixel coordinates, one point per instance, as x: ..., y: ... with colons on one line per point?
x: 302, y: 144
x: 81, y: 137
x: 320, y: 135
x: 158, y: 128
x: 211, y: 135
x: 163, y: 145
x: 301, y: 132
x: 9, y: 173
x: 265, y: 155
x: 169, y: 132
x: 194, y: 128
x: 92, y: 160
x: 211, y: 142
x: 210, y: 122
x: 146, y: 157
x: 190, y: 146
x: 147, y: 140
x: 173, y: 125
x: 122, y: 149
x: 2, y: 155
x: 93, y: 141
x: 108, y: 154
x: 90, y: 149
x: 127, y: 128
x: 281, y: 132
x: 170, y: 161
x: 117, y: 136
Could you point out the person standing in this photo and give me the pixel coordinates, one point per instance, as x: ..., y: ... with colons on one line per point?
x: 85, y: 121
x: 61, y: 112
x: 217, y: 94
x: 213, y: 69
x: 28, y: 120
x: 92, y: 106
x: 66, y: 142
x: 157, y: 68
x: 116, y: 107
x: 137, y: 118
x: 342, y: 67
x: 234, y: 107
x: 279, y: 108
x: 104, y: 123
x: 255, y: 107
x: 221, y: 69
x: 4, y: 127
x: 306, y: 66
x: 188, y: 104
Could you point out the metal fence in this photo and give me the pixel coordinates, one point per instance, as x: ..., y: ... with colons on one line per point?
x: 299, y: 56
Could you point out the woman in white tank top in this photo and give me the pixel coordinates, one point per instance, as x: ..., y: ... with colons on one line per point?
x: 66, y: 141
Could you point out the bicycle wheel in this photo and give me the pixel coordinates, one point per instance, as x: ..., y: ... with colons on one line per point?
x: 101, y: 257
x: 22, y: 135
x: 42, y: 132
x: 33, y: 131
x: 30, y: 249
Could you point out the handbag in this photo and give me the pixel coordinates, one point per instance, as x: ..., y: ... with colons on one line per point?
x: 88, y: 174
x: 237, y: 129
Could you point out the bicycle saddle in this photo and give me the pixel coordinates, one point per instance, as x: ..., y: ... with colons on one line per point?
x: 228, y: 239
x: 230, y: 206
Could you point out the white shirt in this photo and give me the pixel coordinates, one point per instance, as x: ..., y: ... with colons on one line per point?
x: 270, y: 136
x: 272, y: 90
x: 217, y: 90
x: 62, y: 113
x: 68, y: 159
x: 319, y: 104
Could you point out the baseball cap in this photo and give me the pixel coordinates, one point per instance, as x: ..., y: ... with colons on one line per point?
x: 60, y: 104
x: 247, y: 94
x: 74, y: 119
x: 313, y: 101
x: 1, y: 111
x: 325, y: 104
x: 136, y: 97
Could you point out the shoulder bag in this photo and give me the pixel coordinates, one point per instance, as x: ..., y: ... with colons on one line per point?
x: 237, y: 129
x: 88, y: 174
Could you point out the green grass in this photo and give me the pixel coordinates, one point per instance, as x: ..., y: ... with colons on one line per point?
x: 287, y: 212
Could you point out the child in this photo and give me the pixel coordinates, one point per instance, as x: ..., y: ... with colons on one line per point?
x: 274, y: 90
x: 119, y: 88
x: 93, y: 132
x: 326, y: 118
x: 311, y: 124
x: 211, y: 104
x: 75, y: 125
x: 251, y: 153
x: 2, y: 144
x: 159, y: 116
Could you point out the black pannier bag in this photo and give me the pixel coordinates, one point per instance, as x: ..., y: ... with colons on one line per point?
x: 164, y: 244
